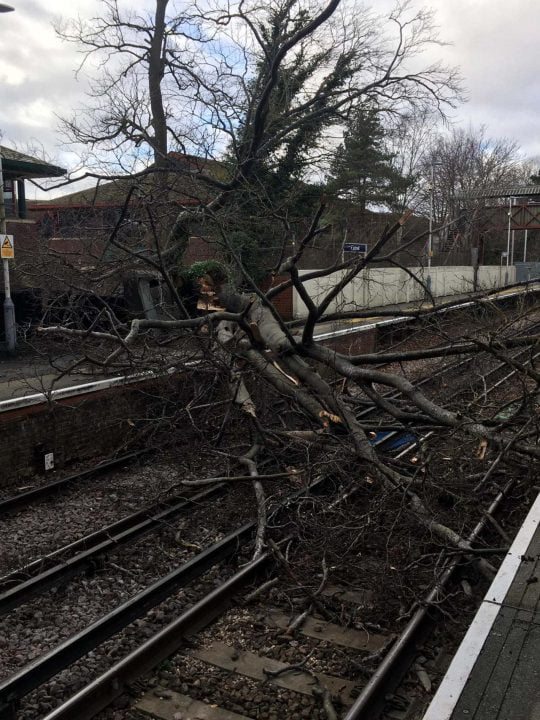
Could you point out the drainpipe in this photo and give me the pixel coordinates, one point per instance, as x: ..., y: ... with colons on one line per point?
x: 513, y: 246
x: 21, y: 199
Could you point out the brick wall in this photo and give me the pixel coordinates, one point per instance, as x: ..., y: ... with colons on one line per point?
x: 283, y: 302
x: 354, y: 343
x: 86, y: 427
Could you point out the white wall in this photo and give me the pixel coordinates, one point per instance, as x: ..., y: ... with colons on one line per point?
x: 375, y: 287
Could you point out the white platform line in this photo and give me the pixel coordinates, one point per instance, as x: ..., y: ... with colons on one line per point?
x: 83, y: 389
x: 453, y: 683
x: 394, y: 321
x: 39, y: 398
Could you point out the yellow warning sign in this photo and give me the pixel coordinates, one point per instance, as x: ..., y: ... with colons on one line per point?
x: 7, y: 250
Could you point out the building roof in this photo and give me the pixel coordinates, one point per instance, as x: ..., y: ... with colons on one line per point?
x: 105, y: 194
x: 505, y: 191
x: 25, y: 166
x: 183, y: 186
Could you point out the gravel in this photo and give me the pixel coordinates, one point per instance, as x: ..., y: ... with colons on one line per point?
x: 36, y: 627
x: 44, y: 526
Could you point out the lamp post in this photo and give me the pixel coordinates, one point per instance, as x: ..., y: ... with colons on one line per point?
x: 9, y: 307
x: 509, y: 236
x: 431, y: 211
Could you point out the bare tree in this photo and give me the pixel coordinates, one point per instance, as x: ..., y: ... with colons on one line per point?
x: 266, y: 84
x: 409, y: 138
x: 235, y: 88
x: 465, y: 161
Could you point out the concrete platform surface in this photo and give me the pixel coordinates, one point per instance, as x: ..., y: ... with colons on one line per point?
x: 495, y: 674
x: 27, y: 374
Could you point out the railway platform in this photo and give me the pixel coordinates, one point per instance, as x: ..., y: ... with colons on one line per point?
x: 448, y: 303
x: 495, y: 674
x: 31, y: 375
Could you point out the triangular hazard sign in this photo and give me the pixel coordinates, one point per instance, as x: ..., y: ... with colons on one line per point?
x: 7, y: 243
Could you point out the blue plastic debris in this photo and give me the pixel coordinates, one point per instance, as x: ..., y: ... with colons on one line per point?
x: 395, y: 440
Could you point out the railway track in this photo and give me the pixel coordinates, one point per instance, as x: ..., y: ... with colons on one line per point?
x: 48, y: 490
x: 230, y: 648
x: 68, y: 561
x: 214, y: 652
x: 497, y: 375
x: 46, y: 666
x: 64, y: 563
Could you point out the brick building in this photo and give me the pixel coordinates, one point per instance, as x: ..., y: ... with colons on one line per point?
x: 74, y: 232
x: 76, y: 229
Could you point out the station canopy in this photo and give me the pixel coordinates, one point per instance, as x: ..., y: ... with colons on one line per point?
x: 20, y: 165
x: 503, y: 191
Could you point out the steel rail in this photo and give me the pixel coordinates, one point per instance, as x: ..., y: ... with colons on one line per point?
x: 394, y: 394
x: 46, y: 666
x: 85, y: 704
x: 104, y: 689
x: 43, y: 664
x: 98, y: 544
x: 43, y: 491
x: 19, y: 684
x: 396, y: 662
x: 392, y: 433
x: 65, y: 563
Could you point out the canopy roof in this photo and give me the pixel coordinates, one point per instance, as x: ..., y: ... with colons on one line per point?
x: 504, y: 191
x: 24, y: 166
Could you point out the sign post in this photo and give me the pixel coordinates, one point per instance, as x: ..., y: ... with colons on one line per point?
x: 6, y: 253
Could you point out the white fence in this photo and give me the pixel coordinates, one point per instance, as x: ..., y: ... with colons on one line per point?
x: 376, y: 287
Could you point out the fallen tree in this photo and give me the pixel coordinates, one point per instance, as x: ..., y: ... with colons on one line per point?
x: 294, y: 397
x: 248, y: 339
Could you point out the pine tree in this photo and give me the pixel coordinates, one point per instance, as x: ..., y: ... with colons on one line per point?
x: 362, y: 170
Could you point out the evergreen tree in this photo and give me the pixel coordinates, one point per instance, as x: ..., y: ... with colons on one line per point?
x: 278, y: 185
x: 362, y: 170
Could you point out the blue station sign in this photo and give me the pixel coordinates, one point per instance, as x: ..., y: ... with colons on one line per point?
x: 355, y: 247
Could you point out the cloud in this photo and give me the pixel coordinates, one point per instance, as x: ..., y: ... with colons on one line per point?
x: 494, y: 43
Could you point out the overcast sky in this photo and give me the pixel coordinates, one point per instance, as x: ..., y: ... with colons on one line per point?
x: 494, y: 42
